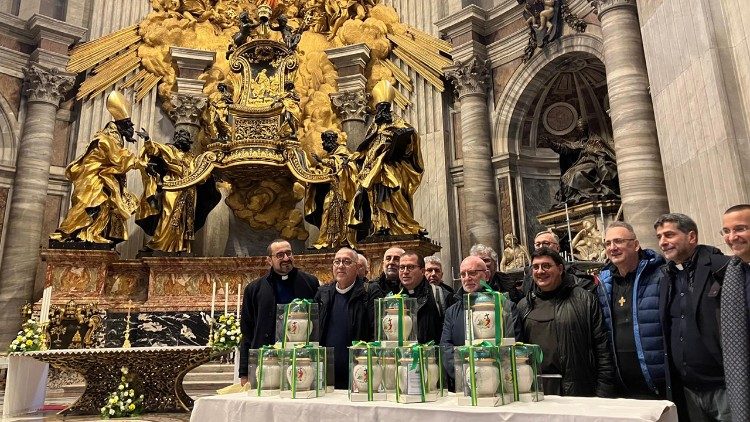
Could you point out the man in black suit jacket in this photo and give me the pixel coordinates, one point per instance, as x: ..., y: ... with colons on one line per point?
x: 689, y: 311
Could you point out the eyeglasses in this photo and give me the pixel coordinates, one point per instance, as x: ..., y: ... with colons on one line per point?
x: 407, y: 268
x: 545, y: 244
x: 471, y: 273
x: 343, y: 262
x: 282, y: 254
x: 616, y: 242
x: 736, y: 230
x: 544, y: 267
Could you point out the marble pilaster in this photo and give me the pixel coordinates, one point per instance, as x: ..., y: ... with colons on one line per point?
x: 471, y: 79
x: 44, y: 88
x: 642, y: 186
x: 350, y: 102
x: 189, y: 100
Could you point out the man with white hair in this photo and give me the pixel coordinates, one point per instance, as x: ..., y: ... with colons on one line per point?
x: 433, y: 272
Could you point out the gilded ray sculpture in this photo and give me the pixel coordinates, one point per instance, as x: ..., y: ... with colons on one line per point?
x: 100, y: 202
x: 172, y: 217
x: 391, y: 168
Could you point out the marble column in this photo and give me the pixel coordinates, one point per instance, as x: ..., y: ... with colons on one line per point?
x: 189, y: 100
x: 350, y: 102
x: 642, y: 186
x: 471, y: 79
x: 44, y: 89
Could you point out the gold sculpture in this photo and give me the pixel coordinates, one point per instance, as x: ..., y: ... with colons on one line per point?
x: 327, y: 205
x: 218, y: 127
x: 391, y: 169
x: 515, y: 256
x: 173, y: 217
x: 100, y: 202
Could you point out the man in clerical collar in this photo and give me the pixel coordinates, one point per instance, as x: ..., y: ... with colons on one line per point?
x: 283, y: 283
x: 429, y: 319
x: 388, y: 280
x: 346, y: 312
x: 689, y: 305
x: 629, y: 296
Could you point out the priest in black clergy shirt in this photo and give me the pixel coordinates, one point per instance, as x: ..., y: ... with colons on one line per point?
x: 429, y: 320
x: 347, y: 312
x: 283, y: 283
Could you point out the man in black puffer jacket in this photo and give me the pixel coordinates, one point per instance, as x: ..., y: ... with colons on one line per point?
x: 566, y: 321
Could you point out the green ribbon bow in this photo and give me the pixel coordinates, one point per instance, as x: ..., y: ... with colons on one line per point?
x: 419, y: 363
x: 499, y: 300
x: 298, y: 304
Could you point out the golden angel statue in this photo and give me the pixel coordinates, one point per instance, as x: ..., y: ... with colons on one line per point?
x: 327, y: 204
x: 391, y: 167
x: 172, y: 217
x: 100, y: 201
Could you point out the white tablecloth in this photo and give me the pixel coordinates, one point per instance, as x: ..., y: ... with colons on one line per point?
x: 336, y: 407
x: 25, y: 385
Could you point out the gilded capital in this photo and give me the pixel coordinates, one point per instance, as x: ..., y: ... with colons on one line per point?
x: 350, y: 105
x: 187, y: 108
x: 602, y: 6
x: 471, y: 77
x: 46, y: 85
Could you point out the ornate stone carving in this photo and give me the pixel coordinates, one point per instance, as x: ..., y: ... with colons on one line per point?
x: 545, y: 20
x: 187, y: 109
x: 46, y: 85
x: 601, y: 6
x: 350, y: 105
x: 471, y: 77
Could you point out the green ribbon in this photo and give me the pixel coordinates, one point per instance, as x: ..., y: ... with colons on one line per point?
x: 419, y: 362
x: 300, y: 303
x: 469, y: 352
x: 314, y: 353
x: 536, y: 354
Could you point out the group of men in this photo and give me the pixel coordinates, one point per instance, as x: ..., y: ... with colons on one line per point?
x: 673, y: 325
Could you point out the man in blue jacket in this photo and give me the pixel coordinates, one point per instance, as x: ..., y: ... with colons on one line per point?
x: 628, y: 293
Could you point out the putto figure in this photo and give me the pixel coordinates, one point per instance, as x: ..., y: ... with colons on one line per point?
x: 172, y: 217
x: 100, y: 202
x: 391, y: 170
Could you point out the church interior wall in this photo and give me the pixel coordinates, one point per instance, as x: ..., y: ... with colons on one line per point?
x: 699, y: 74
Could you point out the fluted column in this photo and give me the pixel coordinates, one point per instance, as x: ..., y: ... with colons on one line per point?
x: 44, y: 89
x: 642, y: 186
x: 471, y: 80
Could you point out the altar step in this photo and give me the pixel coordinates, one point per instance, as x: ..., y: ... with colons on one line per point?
x: 201, y: 381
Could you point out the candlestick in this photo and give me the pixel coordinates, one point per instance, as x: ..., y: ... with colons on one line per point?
x: 226, y: 298
x: 570, y: 235
x: 213, y: 299
x: 239, y: 293
x: 601, y: 214
x: 46, y: 300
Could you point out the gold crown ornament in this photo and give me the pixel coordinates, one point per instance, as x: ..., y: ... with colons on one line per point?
x: 118, y: 106
x: 383, y: 92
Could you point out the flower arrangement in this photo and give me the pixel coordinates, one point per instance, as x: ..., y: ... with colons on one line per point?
x: 29, y: 339
x: 226, y: 333
x: 123, y: 401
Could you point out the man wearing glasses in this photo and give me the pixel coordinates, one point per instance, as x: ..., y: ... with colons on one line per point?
x: 473, y: 272
x: 735, y: 316
x: 283, y: 283
x: 628, y: 293
x: 346, y: 312
x: 566, y: 322
x: 689, y: 305
x: 411, y: 275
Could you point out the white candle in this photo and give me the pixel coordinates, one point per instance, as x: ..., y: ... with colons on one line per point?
x: 570, y: 235
x: 46, y: 300
x: 601, y: 213
x: 239, y: 296
x: 213, y: 299
x: 226, y: 298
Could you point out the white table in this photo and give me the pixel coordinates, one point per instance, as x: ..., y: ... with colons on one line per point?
x: 336, y: 407
x: 25, y: 385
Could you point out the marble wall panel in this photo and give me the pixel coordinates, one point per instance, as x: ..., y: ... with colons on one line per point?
x: 157, y: 329
x: 538, y: 197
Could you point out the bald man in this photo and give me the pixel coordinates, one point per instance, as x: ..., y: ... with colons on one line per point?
x: 474, y: 271
x: 388, y: 280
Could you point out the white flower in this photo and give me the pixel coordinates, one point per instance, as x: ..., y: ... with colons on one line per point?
x: 124, y: 369
x: 129, y: 401
x: 121, y: 387
x: 111, y: 411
